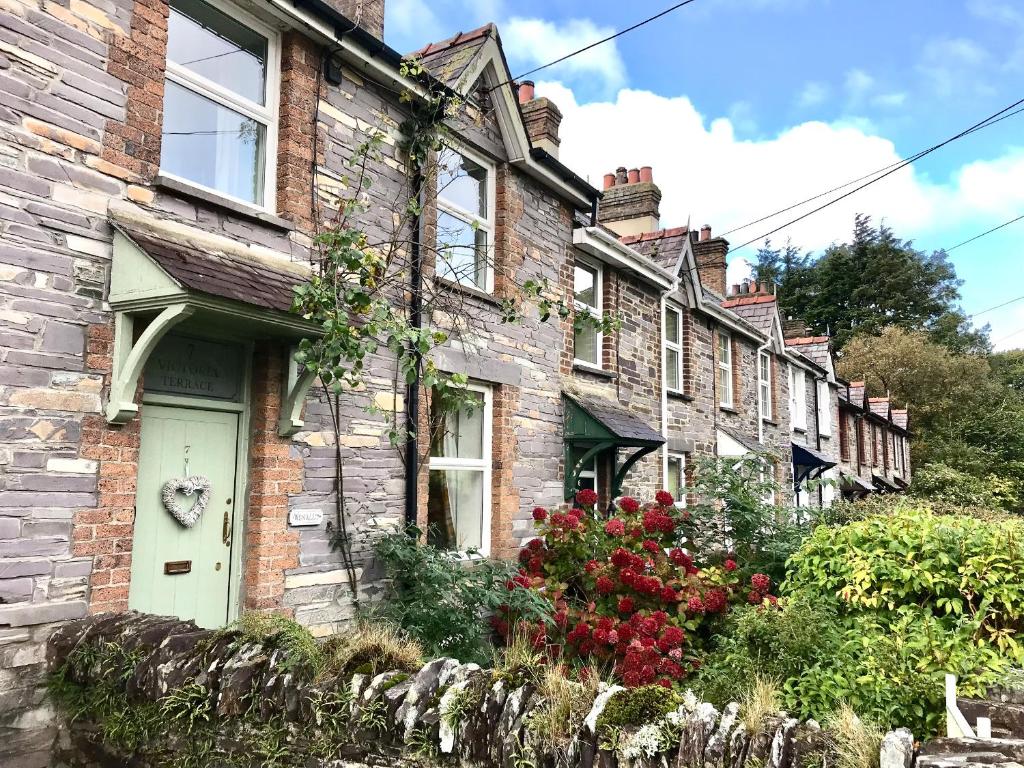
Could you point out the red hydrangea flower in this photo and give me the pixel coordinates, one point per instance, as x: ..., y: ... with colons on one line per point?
x: 524, y: 554
x: 754, y: 598
x: 591, y: 566
x: 572, y: 522
x: 695, y: 605
x: 586, y: 498
x: 625, y: 605
x: 664, y: 498
x: 536, y: 544
x: 605, y: 585
x: 772, y: 599
x: 629, y: 504
x: 669, y: 595
x: 540, y: 514
x: 680, y: 558
x: 615, y: 527
x: 714, y: 601
x: 651, y: 546
x: 674, y: 635
x: 729, y: 565
x: 760, y: 582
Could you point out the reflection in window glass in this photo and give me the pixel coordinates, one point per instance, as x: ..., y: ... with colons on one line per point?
x: 212, y: 145
x: 461, y: 251
x: 585, y: 285
x: 676, y: 477
x: 587, y: 479
x: 461, y: 182
x: 461, y: 436
x: 586, y: 292
x: 455, y: 509
x: 214, y: 46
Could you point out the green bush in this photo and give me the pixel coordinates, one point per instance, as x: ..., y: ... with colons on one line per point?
x: 843, y: 512
x: 943, y: 483
x: 444, y: 602
x: 773, y: 644
x: 918, y: 594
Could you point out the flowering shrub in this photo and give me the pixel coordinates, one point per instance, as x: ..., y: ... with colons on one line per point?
x: 625, y: 596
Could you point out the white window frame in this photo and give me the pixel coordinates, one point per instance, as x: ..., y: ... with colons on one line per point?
x: 485, y: 464
x: 824, y: 408
x: 725, y: 364
x: 267, y: 114
x: 797, y: 398
x: 676, y: 346
x: 680, y: 498
x: 596, y: 313
x: 484, y: 223
x: 764, y: 382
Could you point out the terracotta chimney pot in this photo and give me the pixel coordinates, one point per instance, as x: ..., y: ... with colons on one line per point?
x: 526, y: 91
x: 735, y: 289
x: 646, y: 173
x: 705, y: 232
x: 634, y: 175
x: 609, y: 180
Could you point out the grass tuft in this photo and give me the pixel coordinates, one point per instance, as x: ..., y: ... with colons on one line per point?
x: 857, y: 742
x: 371, y: 648
x: 759, y: 702
x: 566, y: 703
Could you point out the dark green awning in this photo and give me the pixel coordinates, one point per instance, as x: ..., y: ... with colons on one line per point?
x: 808, y: 464
x: 593, y: 426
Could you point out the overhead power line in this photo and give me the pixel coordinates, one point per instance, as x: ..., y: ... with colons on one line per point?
x: 989, y: 232
x: 773, y: 214
x: 912, y: 159
x: 997, y: 306
x: 596, y: 43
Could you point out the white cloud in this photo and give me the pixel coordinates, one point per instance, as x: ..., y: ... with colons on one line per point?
x: 532, y: 42
x: 955, y: 65
x: 813, y: 94
x: 858, y: 83
x: 707, y: 173
x: 890, y: 100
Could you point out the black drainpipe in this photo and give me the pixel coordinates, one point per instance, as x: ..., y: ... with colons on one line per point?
x: 412, y: 390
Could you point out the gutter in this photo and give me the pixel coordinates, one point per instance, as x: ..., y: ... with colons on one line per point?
x: 607, y: 248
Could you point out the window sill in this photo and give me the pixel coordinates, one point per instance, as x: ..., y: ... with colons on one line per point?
x: 676, y: 395
x: 599, y: 372
x: 728, y: 409
x: 476, y: 293
x: 242, y: 210
x: 800, y: 430
x: 770, y: 422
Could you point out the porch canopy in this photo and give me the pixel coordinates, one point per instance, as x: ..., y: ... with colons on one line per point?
x: 884, y: 485
x: 854, y: 484
x: 808, y: 464
x: 594, y: 425
x: 165, y: 276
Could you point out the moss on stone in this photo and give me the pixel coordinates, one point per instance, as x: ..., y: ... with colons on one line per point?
x: 637, y: 706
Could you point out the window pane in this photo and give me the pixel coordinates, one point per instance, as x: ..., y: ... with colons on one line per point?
x: 672, y: 368
x: 455, y: 508
x: 461, y: 435
x: 212, y: 145
x: 675, y: 477
x: 585, y: 285
x: 462, y: 182
x: 725, y: 385
x: 586, y: 346
x: 671, y: 326
x: 461, y: 252
x: 724, y: 351
x: 765, y: 367
x: 215, y: 46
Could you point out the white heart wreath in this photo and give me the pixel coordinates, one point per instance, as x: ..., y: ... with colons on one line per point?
x: 186, y: 486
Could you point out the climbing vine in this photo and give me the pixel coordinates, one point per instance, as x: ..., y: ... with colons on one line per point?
x: 359, y: 294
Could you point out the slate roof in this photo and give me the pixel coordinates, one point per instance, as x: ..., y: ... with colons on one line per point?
x: 758, y: 310
x: 857, y: 393
x: 814, y: 348
x: 900, y: 417
x: 615, y: 418
x: 217, y: 274
x: 663, y: 247
x: 879, y: 406
x: 449, y: 59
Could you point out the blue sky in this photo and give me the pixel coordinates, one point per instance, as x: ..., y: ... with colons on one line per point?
x: 745, y: 106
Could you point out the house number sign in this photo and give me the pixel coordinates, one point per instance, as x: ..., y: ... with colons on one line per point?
x: 185, y: 366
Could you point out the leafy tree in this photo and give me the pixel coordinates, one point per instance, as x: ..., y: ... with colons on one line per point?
x: 1009, y: 368
x: 874, y: 281
x: 963, y: 415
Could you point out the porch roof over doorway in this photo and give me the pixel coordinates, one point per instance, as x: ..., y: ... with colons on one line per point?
x: 164, y: 274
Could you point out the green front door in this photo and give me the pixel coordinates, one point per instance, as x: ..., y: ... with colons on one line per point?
x: 177, y: 570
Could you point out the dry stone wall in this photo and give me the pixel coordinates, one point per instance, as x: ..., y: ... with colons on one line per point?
x: 446, y: 712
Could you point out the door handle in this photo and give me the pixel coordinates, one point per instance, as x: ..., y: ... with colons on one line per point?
x: 226, y: 530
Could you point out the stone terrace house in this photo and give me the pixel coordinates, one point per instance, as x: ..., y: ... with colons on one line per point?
x: 874, y: 443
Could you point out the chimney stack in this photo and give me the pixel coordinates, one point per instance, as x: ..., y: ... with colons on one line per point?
x: 541, y: 117
x: 630, y: 202
x: 710, y: 255
x: 368, y: 14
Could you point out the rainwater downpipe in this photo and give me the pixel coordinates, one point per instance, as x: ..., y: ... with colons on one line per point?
x: 412, y: 390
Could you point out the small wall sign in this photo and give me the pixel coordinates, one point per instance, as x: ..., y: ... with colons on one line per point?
x: 181, y: 365
x: 302, y: 516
